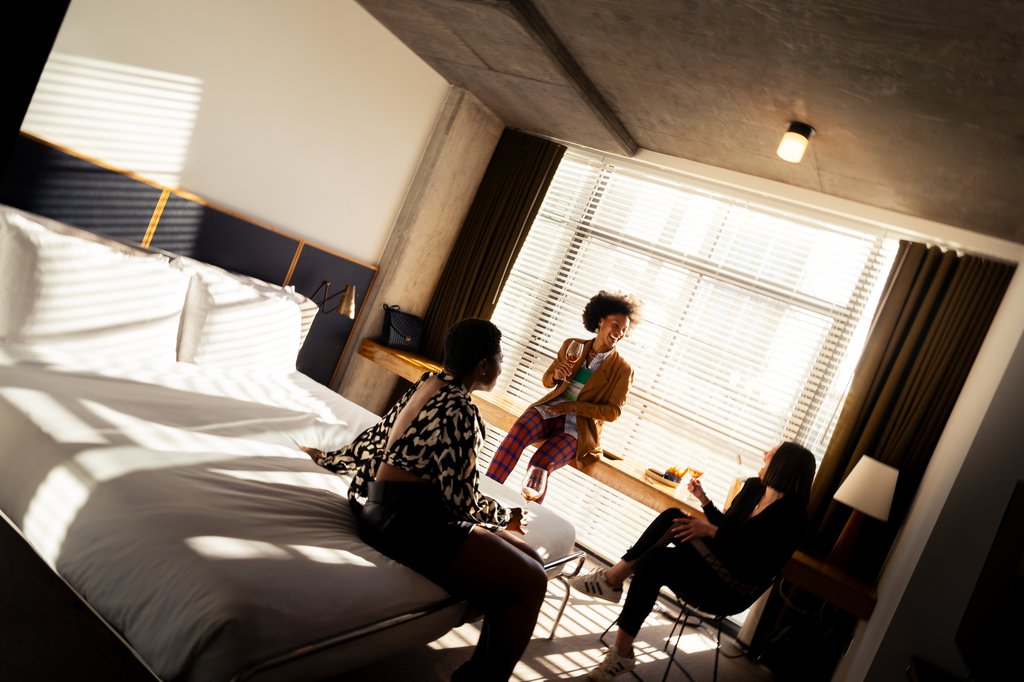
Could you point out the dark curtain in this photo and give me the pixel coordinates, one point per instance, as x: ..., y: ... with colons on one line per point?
x: 496, y: 225
x: 933, y: 316
x: 935, y: 311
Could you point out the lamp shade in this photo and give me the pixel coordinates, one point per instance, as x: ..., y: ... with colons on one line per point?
x: 794, y: 142
x: 869, y: 488
x: 347, y: 305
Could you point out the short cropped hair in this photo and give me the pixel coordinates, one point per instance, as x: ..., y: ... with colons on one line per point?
x: 791, y: 471
x: 606, y: 303
x: 468, y: 342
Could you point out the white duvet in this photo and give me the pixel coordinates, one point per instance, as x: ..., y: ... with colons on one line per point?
x: 175, y: 500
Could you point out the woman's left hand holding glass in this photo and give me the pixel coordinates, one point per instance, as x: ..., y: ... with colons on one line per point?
x: 688, y: 527
x: 697, y: 490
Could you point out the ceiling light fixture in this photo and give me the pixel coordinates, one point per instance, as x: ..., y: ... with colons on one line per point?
x: 794, y: 142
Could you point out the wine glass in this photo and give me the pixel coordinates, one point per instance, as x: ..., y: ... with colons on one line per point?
x: 574, y: 351
x: 535, y: 483
x: 694, y: 474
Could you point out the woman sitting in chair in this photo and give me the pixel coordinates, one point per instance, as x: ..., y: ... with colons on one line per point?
x: 721, y: 565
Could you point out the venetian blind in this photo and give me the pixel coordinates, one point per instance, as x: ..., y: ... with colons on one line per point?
x: 754, y: 314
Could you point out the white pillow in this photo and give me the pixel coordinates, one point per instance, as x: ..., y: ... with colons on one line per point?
x: 74, y: 293
x: 308, y: 307
x: 235, y: 321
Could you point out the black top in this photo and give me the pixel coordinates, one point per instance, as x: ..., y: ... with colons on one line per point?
x: 755, y: 548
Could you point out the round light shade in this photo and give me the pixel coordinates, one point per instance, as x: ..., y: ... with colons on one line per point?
x: 794, y: 142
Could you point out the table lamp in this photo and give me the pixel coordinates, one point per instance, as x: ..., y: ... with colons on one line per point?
x: 868, y: 490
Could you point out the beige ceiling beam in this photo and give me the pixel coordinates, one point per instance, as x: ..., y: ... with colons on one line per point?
x: 530, y: 18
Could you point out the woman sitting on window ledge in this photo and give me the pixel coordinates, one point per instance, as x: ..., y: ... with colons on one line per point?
x: 568, y: 420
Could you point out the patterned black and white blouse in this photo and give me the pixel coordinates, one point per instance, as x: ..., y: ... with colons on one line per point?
x: 440, y: 446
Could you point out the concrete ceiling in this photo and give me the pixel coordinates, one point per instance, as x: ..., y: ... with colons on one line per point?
x: 918, y: 104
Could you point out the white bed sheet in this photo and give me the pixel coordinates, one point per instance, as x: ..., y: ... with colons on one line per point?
x: 174, y: 499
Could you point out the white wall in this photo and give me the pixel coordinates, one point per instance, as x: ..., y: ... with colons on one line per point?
x: 310, y: 116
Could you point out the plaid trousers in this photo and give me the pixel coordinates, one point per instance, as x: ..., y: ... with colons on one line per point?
x: 557, y: 449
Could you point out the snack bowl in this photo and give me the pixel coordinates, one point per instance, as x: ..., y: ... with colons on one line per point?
x: 660, y: 477
x: 674, y: 474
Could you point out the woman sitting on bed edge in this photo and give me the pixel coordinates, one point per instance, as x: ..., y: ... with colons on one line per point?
x: 414, y: 494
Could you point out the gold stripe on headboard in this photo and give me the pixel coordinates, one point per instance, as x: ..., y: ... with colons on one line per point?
x: 295, y: 261
x: 157, y: 212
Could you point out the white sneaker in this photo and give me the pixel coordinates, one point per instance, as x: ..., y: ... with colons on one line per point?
x: 612, y: 666
x: 596, y: 584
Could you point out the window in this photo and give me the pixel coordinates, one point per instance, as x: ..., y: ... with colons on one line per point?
x: 754, y: 314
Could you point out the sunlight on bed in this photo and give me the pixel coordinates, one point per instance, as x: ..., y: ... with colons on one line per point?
x: 133, y: 118
x: 53, y: 509
x: 288, y: 391
x: 33, y: 403
x: 220, y: 547
x: 315, y: 480
x: 326, y: 555
x: 106, y: 464
x: 257, y: 436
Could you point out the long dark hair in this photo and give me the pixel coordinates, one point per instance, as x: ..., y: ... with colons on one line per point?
x: 791, y: 471
x: 468, y: 342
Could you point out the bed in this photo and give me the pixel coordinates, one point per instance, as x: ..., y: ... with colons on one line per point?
x: 151, y: 416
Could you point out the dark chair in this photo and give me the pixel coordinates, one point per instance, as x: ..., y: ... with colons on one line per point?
x: 690, y: 614
x: 713, y: 618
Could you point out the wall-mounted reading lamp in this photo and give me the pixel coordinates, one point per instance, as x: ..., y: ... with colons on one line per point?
x: 347, y: 304
x: 794, y: 142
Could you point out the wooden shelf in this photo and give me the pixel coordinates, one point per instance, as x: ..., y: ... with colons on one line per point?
x: 831, y: 584
x: 806, y: 572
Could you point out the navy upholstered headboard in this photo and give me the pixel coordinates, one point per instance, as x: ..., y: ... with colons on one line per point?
x: 59, y: 184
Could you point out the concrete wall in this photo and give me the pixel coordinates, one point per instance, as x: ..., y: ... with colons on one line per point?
x: 440, y: 196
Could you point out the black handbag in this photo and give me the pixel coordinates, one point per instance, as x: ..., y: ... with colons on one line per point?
x: 402, y: 330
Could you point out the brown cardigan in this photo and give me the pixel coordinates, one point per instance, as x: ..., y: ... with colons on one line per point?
x: 600, y: 400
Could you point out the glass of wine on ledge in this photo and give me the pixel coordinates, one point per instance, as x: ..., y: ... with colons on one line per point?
x: 535, y: 483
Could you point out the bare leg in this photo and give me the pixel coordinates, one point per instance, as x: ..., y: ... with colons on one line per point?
x: 624, y: 643
x: 517, y: 541
x: 509, y: 584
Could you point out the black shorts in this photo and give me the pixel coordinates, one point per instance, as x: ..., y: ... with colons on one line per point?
x: 410, y: 523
